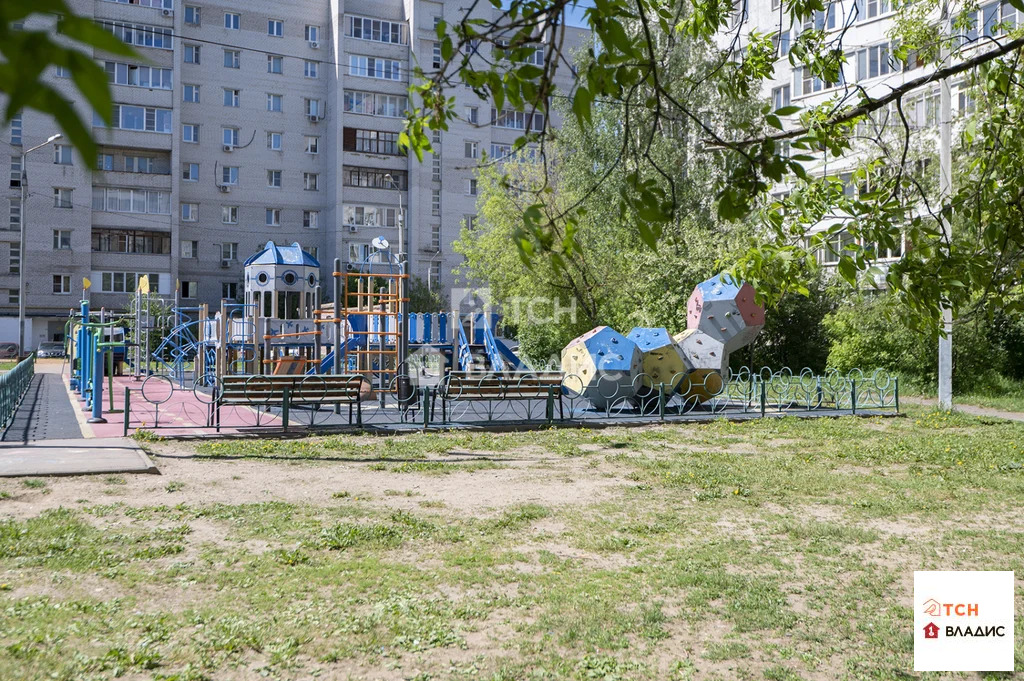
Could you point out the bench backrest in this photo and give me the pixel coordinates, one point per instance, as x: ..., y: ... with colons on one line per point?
x: 506, y: 384
x: 271, y: 388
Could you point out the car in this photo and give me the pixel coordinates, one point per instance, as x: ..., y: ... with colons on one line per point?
x: 9, y: 351
x: 50, y: 349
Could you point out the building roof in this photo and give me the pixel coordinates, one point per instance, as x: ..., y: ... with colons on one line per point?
x: 272, y: 254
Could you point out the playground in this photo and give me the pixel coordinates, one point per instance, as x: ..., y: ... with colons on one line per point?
x: 302, y: 353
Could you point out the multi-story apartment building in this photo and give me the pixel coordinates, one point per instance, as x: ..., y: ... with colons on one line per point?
x: 241, y: 123
x: 864, y: 29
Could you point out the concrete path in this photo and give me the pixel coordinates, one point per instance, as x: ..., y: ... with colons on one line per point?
x: 46, y: 413
x: 969, y: 409
x: 74, y: 457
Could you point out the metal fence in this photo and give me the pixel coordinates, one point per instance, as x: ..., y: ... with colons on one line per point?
x: 13, y: 386
x: 506, y: 399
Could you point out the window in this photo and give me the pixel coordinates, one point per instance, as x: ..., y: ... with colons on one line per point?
x: 229, y: 290
x: 190, y: 172
x: 62, y: 154
x: 273, y: 217
x: 138, y: 76
x: 142, y: 118
x: 232, y: 97
x: 229, y: 175
x: 62, y: 284
x: 358, y: 102
x: 232, y: 59
x: 229, y: 215
x: 821, y: 20
x: 193, y: 54
x: 192, y: 15
x: 15, y: 221
x: 869, y: 9
x: 805, y: 82
x: 232, y: 21
x: 104, y: 161
x: 517, y: 120
x: 62, y: 197
x: 435, y: 202
x: 16, y: 130
x: 311, y: 182
x: 877, y: 60
x: 125, y: 282
x: 312, y: 33
x: 189, y: 249
x: 62, y: 239
x: 435, y: 168
x: 189, y: 289
x: 13, y: 296
x: 274, y: 141
x: 229, y: 251
x: 141, y: 34
x: 472, y: 150
x: 273, y: 102
x: 120, y: 200
x: 374, y: 178
x: 15, y: 171
x: 370, y: 216
x: 275, y: 28
x: 392, y: 106
x: 374, y: 67
x: 274, y: 178
x: 370, y: 141
x: 312, y: 107
x: 500, y: 151
x: 190, y: 133
x: 312, y: 145
x: 62, y: 72
x: 275, y: 63
x: 780, y: 97
x: 146, y: 165
x: 14, y: 262
x: 435, y: 60
x: 190, y: 93
x: 472, y: 115
x: 311, y: 219
x: 471, y: 187
x: 434, y: 275
x: 310, y: 69
x: 230, y: 137
x: 435, y: 234
x: 377, y: 30
x: 189, y: 212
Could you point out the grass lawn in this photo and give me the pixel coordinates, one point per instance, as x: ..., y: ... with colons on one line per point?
x: 776, y: 550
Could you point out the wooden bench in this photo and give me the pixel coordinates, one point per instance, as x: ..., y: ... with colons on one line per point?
x: 509, y: 385
x: 286, y: 391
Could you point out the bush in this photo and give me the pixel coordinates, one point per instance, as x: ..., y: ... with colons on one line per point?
x: 794, y: 333
x: 868, y: 332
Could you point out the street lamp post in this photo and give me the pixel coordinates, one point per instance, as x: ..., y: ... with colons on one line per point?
x: 403, y: 295
x: 22, y: 293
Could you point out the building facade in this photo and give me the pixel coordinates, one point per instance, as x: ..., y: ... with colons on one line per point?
x: 240, y: 123
x: 864, y: 31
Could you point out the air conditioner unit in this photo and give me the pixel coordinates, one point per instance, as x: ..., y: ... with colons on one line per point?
x: 228, y: 147
x: 224, y: 189
x: 225, y: 264
x: 350, y: 267
x: 168, y: 12
x: 314, y: 118
x: 353, y: 228
x: 315, y: 44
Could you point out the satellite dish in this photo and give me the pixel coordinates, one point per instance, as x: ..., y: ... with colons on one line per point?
x: 380, y: 243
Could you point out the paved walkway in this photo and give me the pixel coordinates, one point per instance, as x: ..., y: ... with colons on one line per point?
x: 969, y: 409
x: 74, y: 457
x: 46, y: 413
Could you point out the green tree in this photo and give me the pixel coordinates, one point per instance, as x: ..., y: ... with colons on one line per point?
x: 27, y: 55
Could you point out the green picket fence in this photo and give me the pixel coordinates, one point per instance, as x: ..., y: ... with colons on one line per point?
x: 13, y: 386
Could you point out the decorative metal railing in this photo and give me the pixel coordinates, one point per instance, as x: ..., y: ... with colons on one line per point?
x: 481, y: 399
x: 13, y: 386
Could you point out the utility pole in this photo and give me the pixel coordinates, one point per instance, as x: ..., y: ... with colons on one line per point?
x: 23, y: 247
x: 945, y: 191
